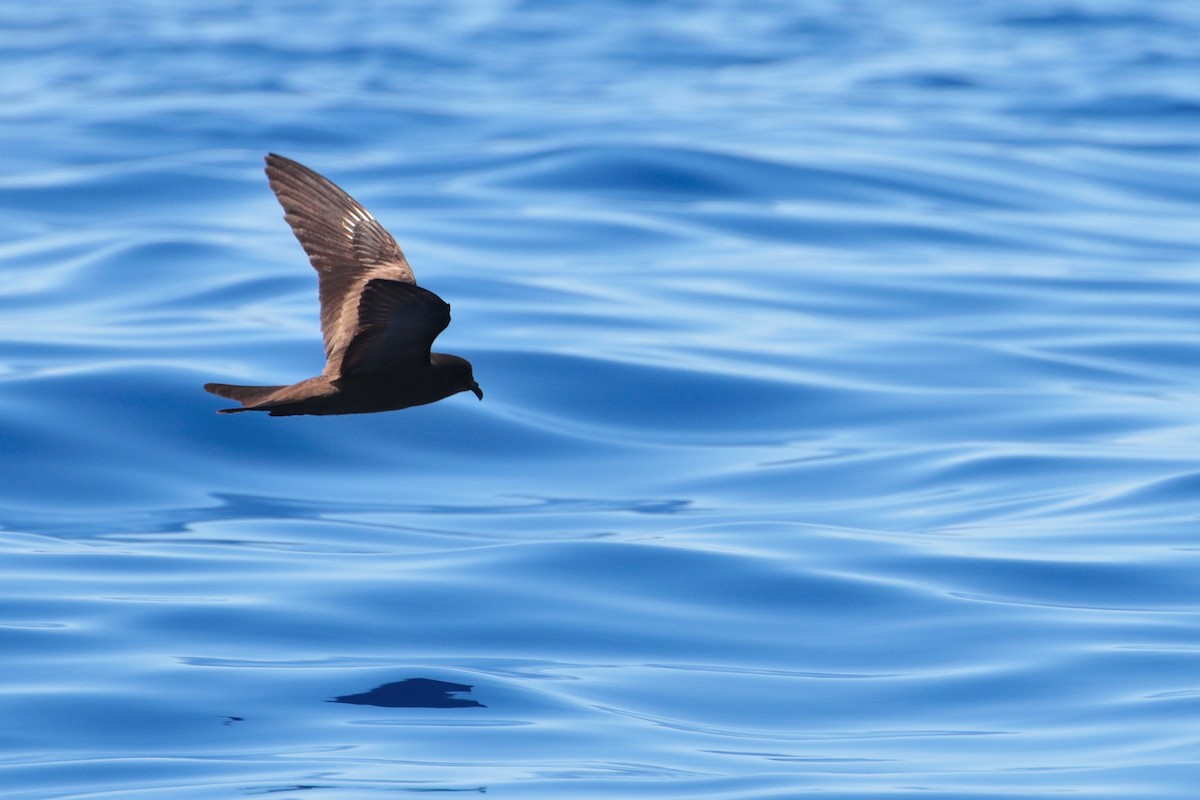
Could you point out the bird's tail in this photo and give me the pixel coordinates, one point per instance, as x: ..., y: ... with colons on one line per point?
x: 248, y: 396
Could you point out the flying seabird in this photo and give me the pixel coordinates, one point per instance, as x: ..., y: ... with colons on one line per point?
x: 378, y: 325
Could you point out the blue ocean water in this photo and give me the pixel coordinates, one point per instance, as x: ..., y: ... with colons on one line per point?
x: 840, y: 439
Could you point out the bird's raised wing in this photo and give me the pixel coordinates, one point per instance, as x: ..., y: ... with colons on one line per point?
x: 346, y: 245
x: 397, y: 323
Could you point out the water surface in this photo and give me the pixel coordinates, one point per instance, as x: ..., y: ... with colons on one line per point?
x: 841, y: 420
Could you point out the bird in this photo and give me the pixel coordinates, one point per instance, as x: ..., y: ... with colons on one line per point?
x: 377, y: 324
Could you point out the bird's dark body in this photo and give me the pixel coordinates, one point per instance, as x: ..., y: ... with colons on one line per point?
x: 366, y: 394
x: 378, y: 325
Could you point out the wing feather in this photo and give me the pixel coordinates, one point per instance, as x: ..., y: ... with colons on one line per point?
x: 397, y: 323
x: 345, y: 244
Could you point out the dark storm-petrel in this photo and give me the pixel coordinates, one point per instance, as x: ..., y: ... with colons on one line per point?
x: 378, y: 325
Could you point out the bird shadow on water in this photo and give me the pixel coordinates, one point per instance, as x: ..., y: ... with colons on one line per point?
x: 413, y: 693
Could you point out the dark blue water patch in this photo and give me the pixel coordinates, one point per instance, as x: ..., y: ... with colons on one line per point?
x: 552, y: 233
x: 1082, y: 18
x: 867, y: 234
x: 235, y: 300
x: 1172, y: 495
x: 112, y: 188
x: 938, y: 81
x: 1148, y: 108
x: 659, y: 173
x: 1103, y: 587
x: 1169, y: 357
x: 659, y: 400
x: 155, y: 271
x: 648, y: 172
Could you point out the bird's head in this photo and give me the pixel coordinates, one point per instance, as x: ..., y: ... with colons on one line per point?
x: 457, y: 374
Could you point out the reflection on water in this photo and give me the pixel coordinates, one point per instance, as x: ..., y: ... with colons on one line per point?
x: 840, y: 430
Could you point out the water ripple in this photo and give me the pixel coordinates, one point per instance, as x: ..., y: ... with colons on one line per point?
x: 839, y: 434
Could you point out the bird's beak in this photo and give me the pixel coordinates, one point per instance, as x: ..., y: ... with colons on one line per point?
x: 478, y: 392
